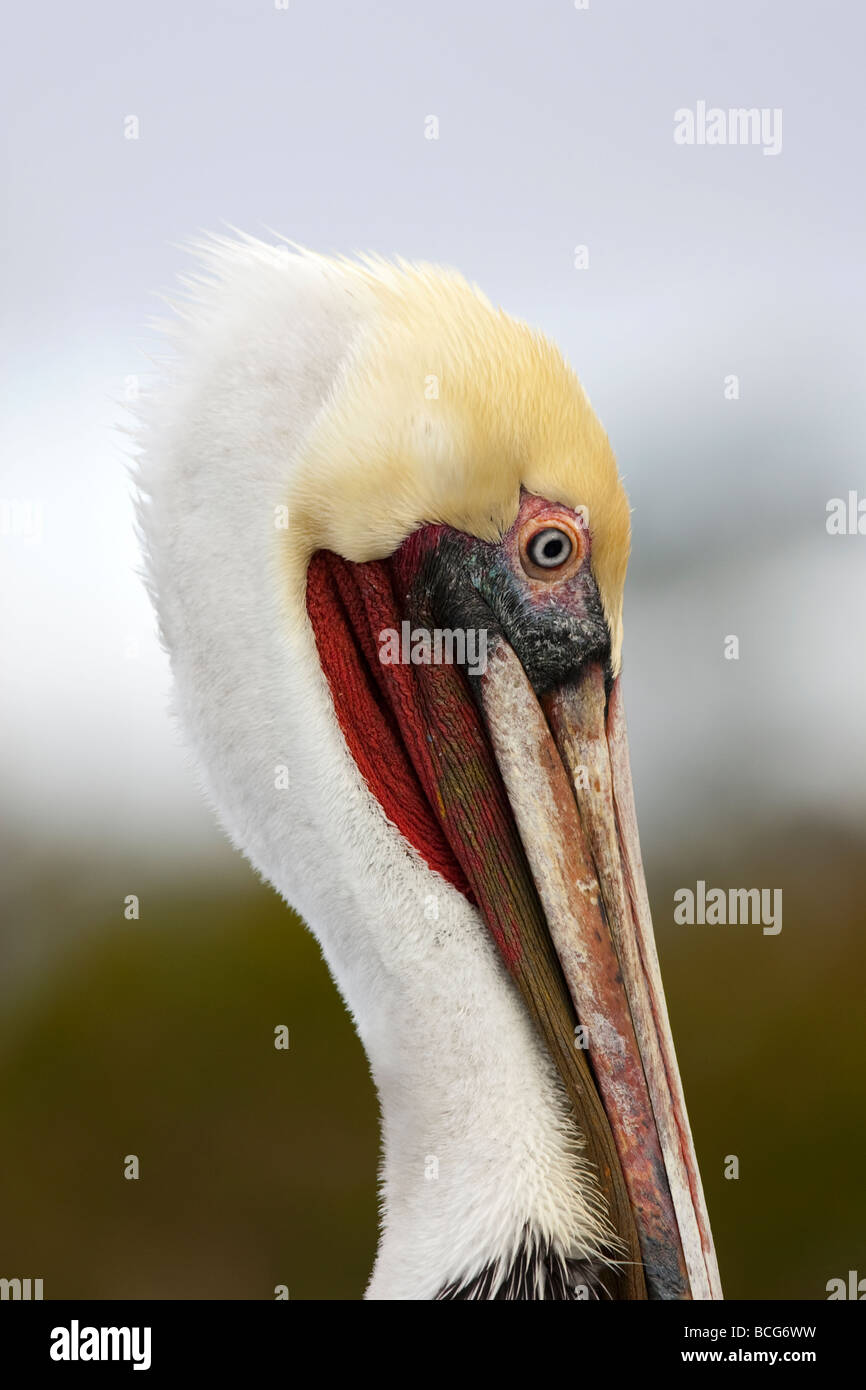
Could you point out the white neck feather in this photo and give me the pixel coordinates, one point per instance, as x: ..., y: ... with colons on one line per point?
x: 478, y: 1142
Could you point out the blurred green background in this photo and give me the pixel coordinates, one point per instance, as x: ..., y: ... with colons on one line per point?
x: 258, y: 1166
x: 156, y: 1038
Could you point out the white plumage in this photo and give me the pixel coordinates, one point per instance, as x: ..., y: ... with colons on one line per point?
x: 478, y: 1140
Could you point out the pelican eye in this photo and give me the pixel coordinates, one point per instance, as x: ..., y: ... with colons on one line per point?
x: 550, y: 548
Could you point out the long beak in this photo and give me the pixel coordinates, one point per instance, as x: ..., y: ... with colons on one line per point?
x: 569, y: 784
x: 531, y: 814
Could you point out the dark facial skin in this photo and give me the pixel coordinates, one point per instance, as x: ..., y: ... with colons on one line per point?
x: 552, y: 617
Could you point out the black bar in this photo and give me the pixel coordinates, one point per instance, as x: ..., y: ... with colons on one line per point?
x: 220, y: 1338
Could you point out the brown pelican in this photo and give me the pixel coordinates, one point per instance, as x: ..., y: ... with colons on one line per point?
x: 387, y: 543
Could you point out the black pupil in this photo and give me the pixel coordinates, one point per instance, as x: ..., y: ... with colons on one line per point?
x: 550, y: 547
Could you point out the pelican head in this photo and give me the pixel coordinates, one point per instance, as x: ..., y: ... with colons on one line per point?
x: 387, y: 542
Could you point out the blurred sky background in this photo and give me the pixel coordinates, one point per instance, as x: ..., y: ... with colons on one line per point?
x: 555, y: 130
